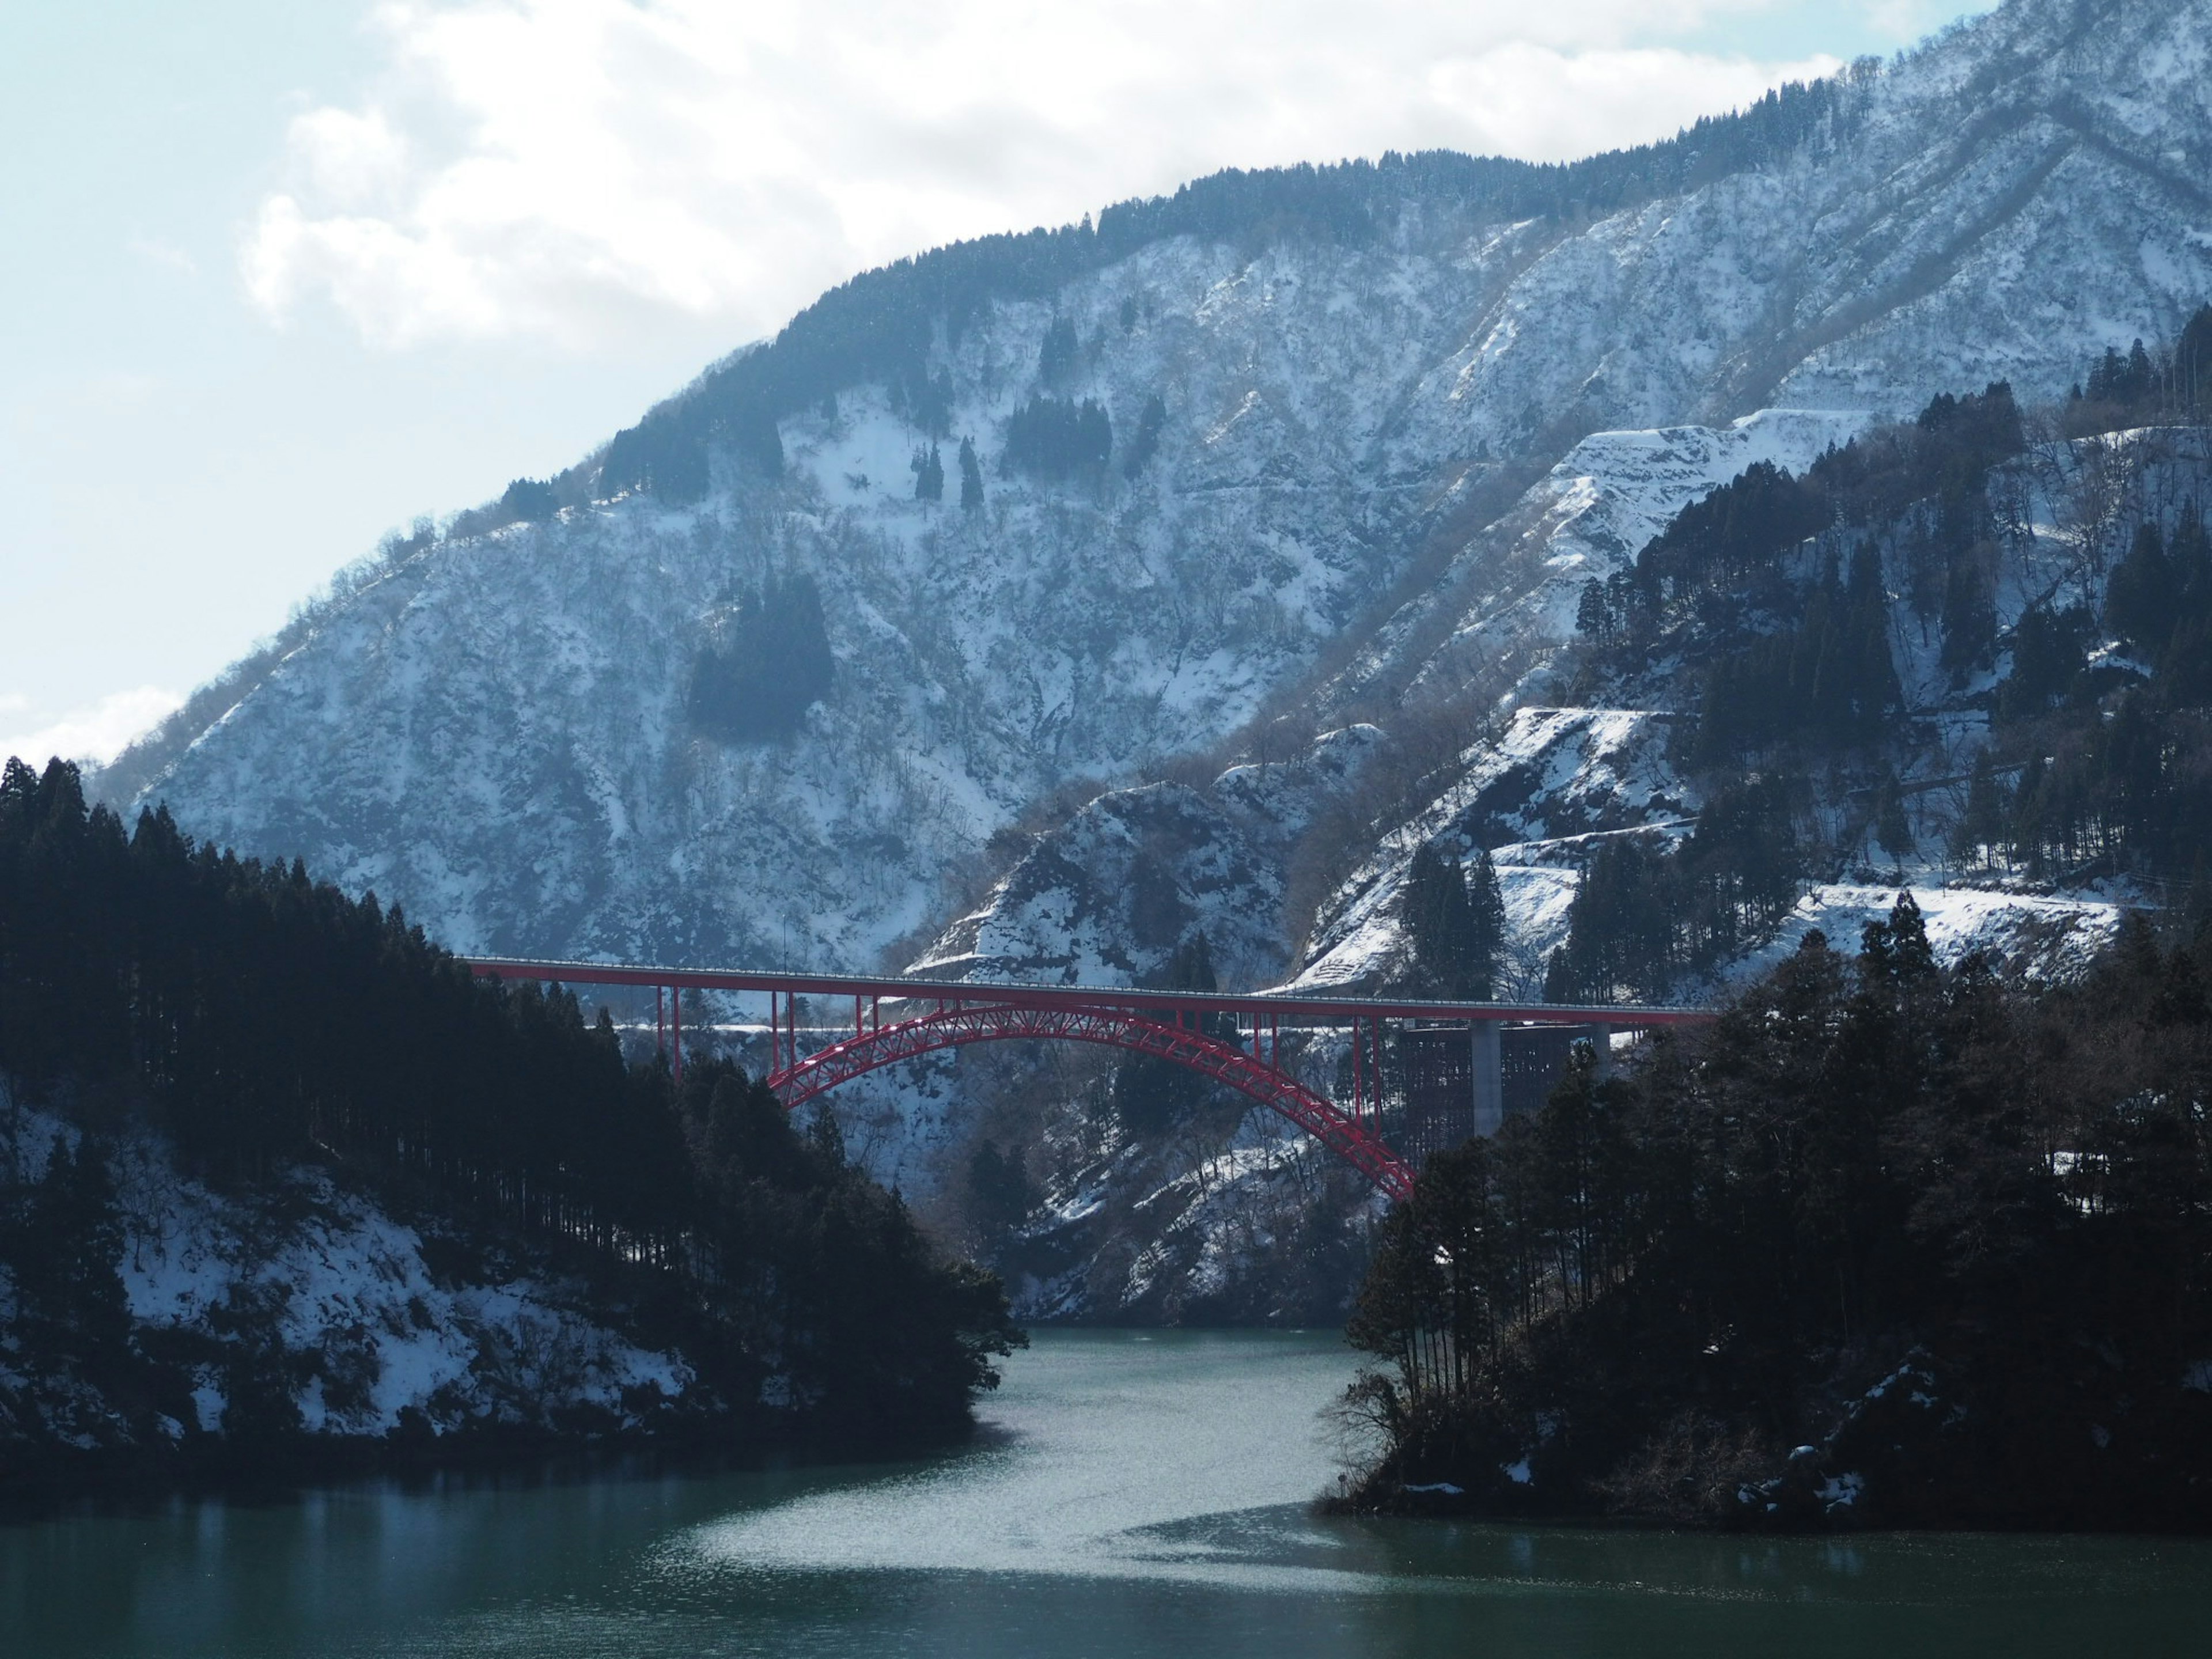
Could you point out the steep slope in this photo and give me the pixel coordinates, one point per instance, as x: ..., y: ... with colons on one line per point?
x: 305, y: 1308
x: 493, y: 733
x: 1307, y: 603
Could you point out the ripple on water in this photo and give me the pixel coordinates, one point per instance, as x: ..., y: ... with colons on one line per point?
x: 1137, y: 1495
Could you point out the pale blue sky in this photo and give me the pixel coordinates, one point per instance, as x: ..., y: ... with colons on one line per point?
x: 282, y: 276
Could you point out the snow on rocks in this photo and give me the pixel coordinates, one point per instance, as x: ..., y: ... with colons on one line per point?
x: 495, y: 735
x: 2032, y: 936
x: 324, y: 1289
x: 1107, y: 897
x: 1509, y: 597
x: 1554, y: 777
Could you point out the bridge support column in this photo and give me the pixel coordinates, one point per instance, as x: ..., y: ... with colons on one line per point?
x: 1489, y: 1077
x: 1602, y: 1051
x: 1490, y: 1085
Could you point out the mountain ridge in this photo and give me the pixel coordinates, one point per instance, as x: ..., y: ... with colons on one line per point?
x: 1393, y: 449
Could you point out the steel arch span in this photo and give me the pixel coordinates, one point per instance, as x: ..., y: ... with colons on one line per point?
x: 1116, y: 1027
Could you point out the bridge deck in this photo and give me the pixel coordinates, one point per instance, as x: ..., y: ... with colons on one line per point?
x: 889, y: 987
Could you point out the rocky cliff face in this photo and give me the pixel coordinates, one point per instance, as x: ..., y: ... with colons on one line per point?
x: 1385, y: 464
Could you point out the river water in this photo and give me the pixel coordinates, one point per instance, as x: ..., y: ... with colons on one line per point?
x: 1133, y: 1494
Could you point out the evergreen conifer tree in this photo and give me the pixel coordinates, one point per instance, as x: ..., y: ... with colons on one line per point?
x: 1057, y: 356
x: 2140, y: 595
x: 1593, y: 616
x: 971, y: 478
x: 1981, y: 826
x: 2192, y: 364
x: 928, y: 468
x: 1146, y: 442
x: 1891, y: 828
x: 772, y: 662
x: 1486, y: 915
x: 1440, y: 921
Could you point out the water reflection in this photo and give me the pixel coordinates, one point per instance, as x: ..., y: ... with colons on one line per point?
x: 1134, y: 1497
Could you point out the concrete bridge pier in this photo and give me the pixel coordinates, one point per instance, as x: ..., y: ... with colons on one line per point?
x: 1489, y: 1075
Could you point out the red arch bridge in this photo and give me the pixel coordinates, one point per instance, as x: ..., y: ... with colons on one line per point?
x: 1444, y: 1071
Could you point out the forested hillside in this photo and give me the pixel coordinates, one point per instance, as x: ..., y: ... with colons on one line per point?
x: 1233, y: 544
x: 280, y: 1038
x: 1883, y: 628
x: 1891, y: 1244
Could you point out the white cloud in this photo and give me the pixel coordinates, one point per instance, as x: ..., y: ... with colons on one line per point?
x: 98, y: 733
x: 561, y: 169
x: 1906, y: 21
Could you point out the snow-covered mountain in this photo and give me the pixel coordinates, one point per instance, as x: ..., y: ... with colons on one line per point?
x: 492, y: 732
x: 1069, y: 726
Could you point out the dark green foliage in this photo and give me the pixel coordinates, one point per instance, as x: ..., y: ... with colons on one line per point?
x: 925, y: 399
x: 1437, y: 922
x: 770, y: 664
x: 1595, y: 616
x: 1128, y: 315
x: 1826, y: 681
x: 1486, y: 907
x: 1190, y: 967
x: 928, y: 468
x: 1796, y: 666
x: 1944, y: 454
x: 2143, y: 594
x: 1050, y: 438
x: 1981, y: 826
x: 971, y: 478
x: 1975, y: 431
x: 1644, y: 1297
x: 1455, y: 920
x: 1621, y: 937
x: 2126, y: 380
x: 880, y: 1338
x: 1738, y: 874
x: 2141, y: 386
x: 1738, y: 528
x: 529, y: 499
x: 2191, y: 375
x: 1057, y: 357
x: 999, y: 1191
x: 1642, y: 914
x: 265, y: 1021
x: 1970, y: 610
x: 61, y: 1242
x: 666, y: 455
x: 2114, y: 773
x: 2159, y: 598
x: 1146, y: 441
x: 2050, y: 661
x: 1893, y: 830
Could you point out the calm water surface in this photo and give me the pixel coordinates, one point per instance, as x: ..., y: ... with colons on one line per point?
x: 1135, y: 1495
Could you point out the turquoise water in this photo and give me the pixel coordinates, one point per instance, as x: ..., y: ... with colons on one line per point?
x: 1134, y: 1494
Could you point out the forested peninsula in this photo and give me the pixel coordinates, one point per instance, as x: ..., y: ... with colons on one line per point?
x: 1887, y: 1244
x: 282, y: 1181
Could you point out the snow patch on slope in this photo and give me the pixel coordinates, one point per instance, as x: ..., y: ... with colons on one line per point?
x: 2030, y: 935
x: 1552, y: 778
x: 335, y: 1294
